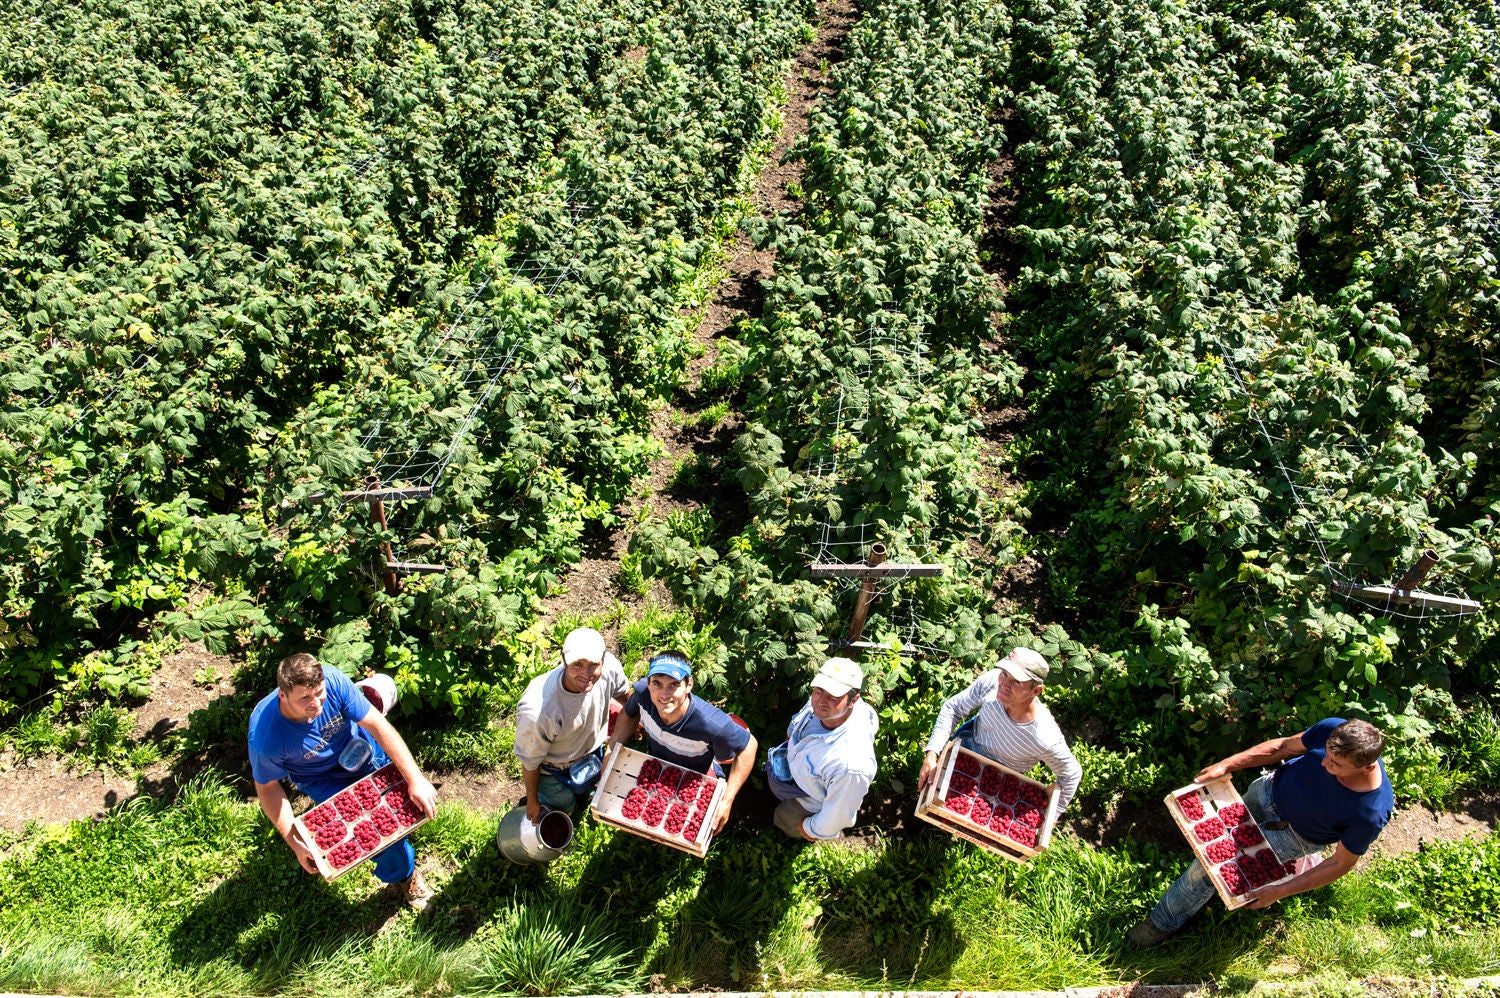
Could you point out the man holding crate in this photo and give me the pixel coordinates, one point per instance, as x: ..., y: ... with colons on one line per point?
x: 1328, y: 788
x: 823, y: 769
x: 562, y: 720
x: 305, y: 732
x: 1013, y: 726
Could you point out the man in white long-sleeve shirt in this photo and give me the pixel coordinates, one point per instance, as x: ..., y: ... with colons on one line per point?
x: 822, y: 770
x: 562, y: 720
x: 1013, y: 726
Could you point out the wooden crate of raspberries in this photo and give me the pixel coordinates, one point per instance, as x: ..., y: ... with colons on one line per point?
x: 658, y: 801
x: 983, y: 802
x: 1227, y: 840
x: 359, y: 821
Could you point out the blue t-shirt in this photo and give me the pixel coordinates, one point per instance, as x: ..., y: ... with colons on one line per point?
x: 297, y: 750
x: 1323, y: 810
x: 702, y: 737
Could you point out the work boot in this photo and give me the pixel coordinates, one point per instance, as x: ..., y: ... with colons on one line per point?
x: 1146, y: 934
x: 414, y: 892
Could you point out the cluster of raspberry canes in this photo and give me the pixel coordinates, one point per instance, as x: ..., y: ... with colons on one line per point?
x: 349, y: 808
x: 365, y: 792
x: 989, y: 781
x: 384, y: 820
x: 1209, y: 829
x: 967, y: 764
x: 1233, y: 814
x: 1248, y: 835
x: 319, y: 816
x: 1191, y: 805
x: 1220, y: 851
x: 343, y: 855
x: 330, y: 834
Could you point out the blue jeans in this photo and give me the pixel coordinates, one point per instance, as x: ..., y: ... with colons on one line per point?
x: 397, y: 861
x: 1191, y: 891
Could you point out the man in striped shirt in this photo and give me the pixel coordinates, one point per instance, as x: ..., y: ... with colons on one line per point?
x: 1013, y: 726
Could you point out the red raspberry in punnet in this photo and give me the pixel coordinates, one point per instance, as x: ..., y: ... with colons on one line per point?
x: 958, y: 783
x: 1023, y: 835
x: 368, y: 835
x: 384, y: 820
x: 989, y: 781
x: 1191, y: 805
x: 1233, y: 879
x: 676, y: 818
x: 981, y: 812
x: 1260, y: 868
x: 1233, y: 814
x: 385, y: 777
x: 1033, y: 794
x: 1220, y: 851
x: 349, y: 808
x: 650, y: 770
x: 692, y: 786
x: 967, y: 764
x: 1208, y: 829
x: 959, y: 803
x: 402, y: 806
x: 365, y: 792
x: 694, y: 827
x: 670, y: 776
x: 1010, y: 788
x: 319, y: 816
x: 331, y: 834
x: 1248, y: 835
x: 343, y: 855
x: 706, y: 795
x: 656, y: 809
x: 1001, y: 824
x: 1029, y: 815
x: 632, y: 806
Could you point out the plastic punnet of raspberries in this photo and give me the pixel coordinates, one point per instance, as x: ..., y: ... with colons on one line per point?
x: 981, y: 812
x: 676, y: 817
x: 1234, y: 881
x: 365, y: 792
x: 384, y: 820
x: 343, y: 855
x: 1254, y: 868
x: 368, y: 835
x: 692, y: 786
x: 959, y: 803
x: 650, y: 770
x: 967, y: 765
x: 1233, y: 814
x: 694, y: 827
x: 319, y: 816
x: 385, y: 777
x: 630, y: 809
x: 331, y: 834
x: 1023, y: 835
x: 656, y: 810
x: 1220, y: 851
x: 1034, y: 795
x: 1001, y: 824
x: 989, y: 781
x: 958, y: 783
x: 1191, y: 805
x: 1248, y: 835
x: 349, y: 807
x: 1209, y: 829
x: 403, y: 808
x: 1029, y: 815
x: 706, y: 794
x: 1010, y: 788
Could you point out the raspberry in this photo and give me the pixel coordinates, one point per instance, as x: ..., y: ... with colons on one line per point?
x: 631, y: 809
x: 349, y: 808
x: 1023, y: 835
x: 989, y: 781
x: 676, y: 818
x: 958, y: 783
x: 367, y: 833
x: 637, y: 795
x: 650, y: 773
x: 385, y: 777
x: 1260, y: 868
x: 331, y: 834
x: 384, y: 820
x: 319, y: 816
x: 343, y: 855
x: 1208, y: 829
x: 1248, y: 835
x: 1010, y: 788
x: 967, y: 765
x: 694, y: 827
x: 1233, y: 814
x: 667, y: 782
x: 1029, y: 815
x: 981, y: 812
x: 1220, y: 851
x: 406, y: 812
x: 365, y: 792
x: 692, y: 786
x: 1000, y: 824
x: 959, y: 803
x: 1234, y: 881
x: 1004, y: 810
x: 656, y: 810
x: 1192, y: 806
x: 1034, y: 794
x: 706, y: 795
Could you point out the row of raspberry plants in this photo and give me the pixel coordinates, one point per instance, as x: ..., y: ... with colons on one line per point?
x: 1239, y: 281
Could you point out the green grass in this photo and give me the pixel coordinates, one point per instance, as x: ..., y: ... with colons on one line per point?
x: 202, y: 898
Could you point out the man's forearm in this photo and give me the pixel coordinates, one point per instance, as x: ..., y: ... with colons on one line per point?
x: 1267, y: 753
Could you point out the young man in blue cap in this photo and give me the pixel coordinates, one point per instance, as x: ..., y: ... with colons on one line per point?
x: 301, y: 733
x: 684, y: 729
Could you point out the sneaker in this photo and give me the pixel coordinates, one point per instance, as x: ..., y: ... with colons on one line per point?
x: 1146, y: 934
x: 414, y: 892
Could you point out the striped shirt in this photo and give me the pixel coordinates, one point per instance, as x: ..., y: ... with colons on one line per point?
x: 1019, y: 746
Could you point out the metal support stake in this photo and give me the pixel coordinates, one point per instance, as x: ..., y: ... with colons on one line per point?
x: 1414, y: 576
x: 866, y: 594
x: 387, y: 556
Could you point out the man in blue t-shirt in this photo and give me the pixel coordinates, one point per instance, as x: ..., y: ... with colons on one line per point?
x: 1329, y: 788
x: 684, y: 729
x: 299, y: 732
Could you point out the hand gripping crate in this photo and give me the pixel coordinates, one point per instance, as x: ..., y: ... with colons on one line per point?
x: 994, y: 807
x: 1226, y: 839
x: 658, y: 801
x: 359, y: 821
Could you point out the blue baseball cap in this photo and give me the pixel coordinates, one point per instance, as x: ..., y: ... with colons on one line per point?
x: 667, y: 664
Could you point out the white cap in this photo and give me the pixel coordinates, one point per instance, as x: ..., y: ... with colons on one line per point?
x: 583, y: 643
x: 838, y: 676
x: 1026, y: 665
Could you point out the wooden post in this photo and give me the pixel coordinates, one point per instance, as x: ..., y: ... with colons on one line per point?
x: 387, y: 556
x: 866, y: 594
